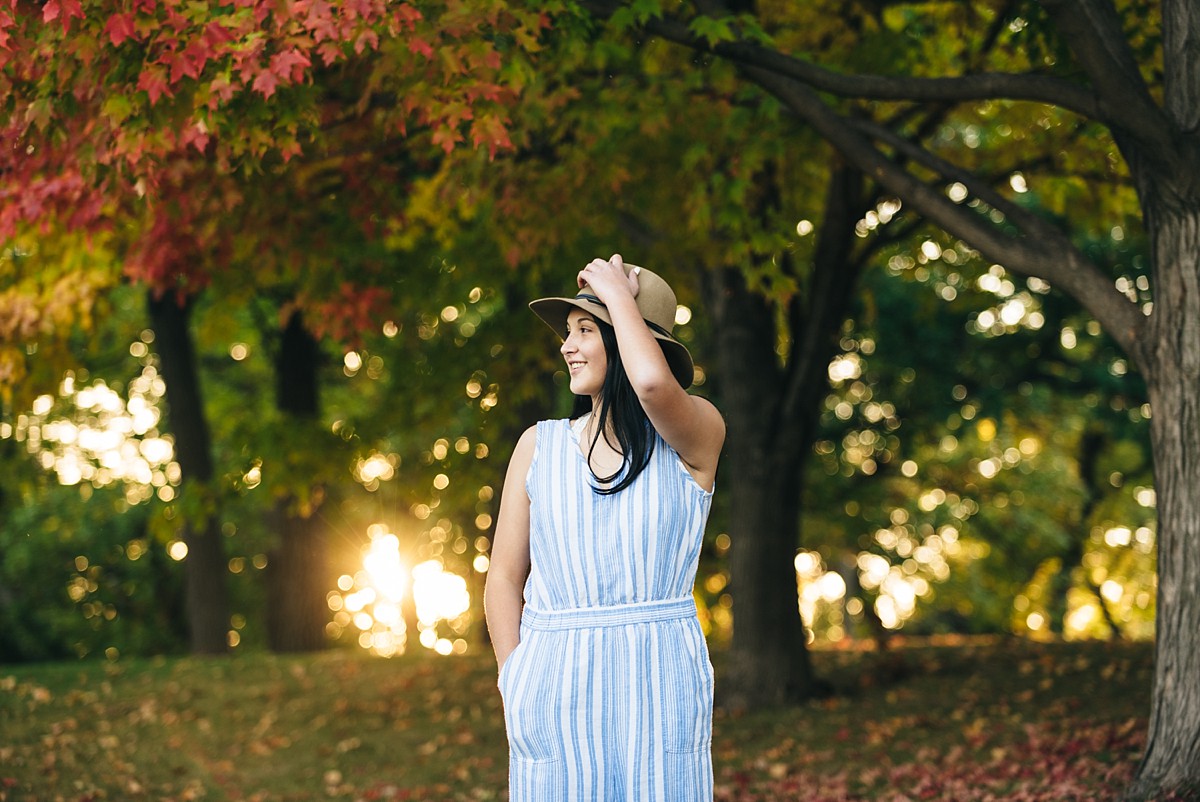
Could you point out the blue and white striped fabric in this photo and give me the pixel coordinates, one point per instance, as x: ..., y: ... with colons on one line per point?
x: 608, y: 696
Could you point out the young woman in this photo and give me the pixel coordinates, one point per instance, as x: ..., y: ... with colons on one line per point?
x: 604, y: 672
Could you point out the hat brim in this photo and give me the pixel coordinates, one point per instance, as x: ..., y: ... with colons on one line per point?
x: 554, y: 311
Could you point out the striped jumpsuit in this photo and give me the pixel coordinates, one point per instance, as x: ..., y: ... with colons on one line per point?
x: 608, y: 695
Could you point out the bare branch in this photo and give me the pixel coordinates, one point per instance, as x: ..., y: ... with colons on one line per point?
x: 1052, y: 259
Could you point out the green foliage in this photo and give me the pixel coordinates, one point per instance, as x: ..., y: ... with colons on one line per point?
x: 711, y: 30
x: 53, y: 288
x: 954, y: 427
x: 80, y: 576
x: 638, y: 12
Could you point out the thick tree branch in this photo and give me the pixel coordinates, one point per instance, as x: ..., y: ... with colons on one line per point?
x: 975, y: 184
x: 1092, y: 30
x: 835, y: 275
x: 985, y: 86
x: 1052, y: 260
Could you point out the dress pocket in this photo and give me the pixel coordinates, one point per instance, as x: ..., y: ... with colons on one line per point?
x: 689, y: 775
x: 688, y: 689
x: 530, y: 704
x: 506, y: 669
x: 535, y: 780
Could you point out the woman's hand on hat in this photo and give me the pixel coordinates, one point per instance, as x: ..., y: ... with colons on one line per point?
x: 608, y: 275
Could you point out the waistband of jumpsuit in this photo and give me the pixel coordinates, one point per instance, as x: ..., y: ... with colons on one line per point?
x: 614, y: 615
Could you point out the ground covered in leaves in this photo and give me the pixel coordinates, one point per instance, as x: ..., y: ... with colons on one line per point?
x: 960, y: 720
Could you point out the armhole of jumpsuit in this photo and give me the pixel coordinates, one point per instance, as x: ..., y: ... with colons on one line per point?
x: 537, y: 444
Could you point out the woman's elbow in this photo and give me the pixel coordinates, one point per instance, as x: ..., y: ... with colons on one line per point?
x: 659, y: 395
x: 651, y: 385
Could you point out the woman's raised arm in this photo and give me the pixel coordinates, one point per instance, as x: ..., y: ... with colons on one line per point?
x: 690, y: 424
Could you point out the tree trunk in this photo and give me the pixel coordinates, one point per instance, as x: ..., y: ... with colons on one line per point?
x: 298, y: 571
x: 1090, y: 445
x: 206, y: 589
x: 772, y: 411
x: 1172, y: 759
x: 298, y: 578
x: 767, y: 663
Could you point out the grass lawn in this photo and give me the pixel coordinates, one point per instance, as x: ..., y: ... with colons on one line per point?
x: 964, y: 720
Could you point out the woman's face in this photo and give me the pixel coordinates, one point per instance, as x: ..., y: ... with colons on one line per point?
x: 584, y: 351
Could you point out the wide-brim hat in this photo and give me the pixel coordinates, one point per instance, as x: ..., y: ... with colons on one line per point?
x: 656, y: 303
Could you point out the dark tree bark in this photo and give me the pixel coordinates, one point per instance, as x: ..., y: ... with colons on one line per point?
x: 767, y: 663
x: 298, y: 570
x: 1172, y: 371
x: 772, y: 409
x: 206, y: 588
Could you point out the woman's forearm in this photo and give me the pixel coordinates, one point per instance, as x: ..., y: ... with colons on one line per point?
x: 641, y: 356
x: 502, y: 602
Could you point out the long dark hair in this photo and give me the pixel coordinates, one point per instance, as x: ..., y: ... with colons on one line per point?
x: 620, y: 404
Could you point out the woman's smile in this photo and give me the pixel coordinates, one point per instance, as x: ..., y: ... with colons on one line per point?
x: 583, y: 351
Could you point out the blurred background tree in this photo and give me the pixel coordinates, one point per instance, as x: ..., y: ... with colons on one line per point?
x: 343, y: 226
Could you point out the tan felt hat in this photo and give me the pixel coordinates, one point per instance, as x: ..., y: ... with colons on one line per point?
x: 656, y: 302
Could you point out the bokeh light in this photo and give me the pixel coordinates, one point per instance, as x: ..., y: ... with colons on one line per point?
x: 369, y: 605
x: 95, y: 436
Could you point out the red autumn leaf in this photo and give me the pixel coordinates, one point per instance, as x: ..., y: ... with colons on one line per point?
x: 246, y: 61
x: 177, y: 22
x: 261, y: 11
x: 70, y: 9
x: 216, y: 34
x: 196, y: 136
x: 366, y: 39
x: 290, y: 149
x: 177, y: 67
x: 221, y: 91
x: 290, y: 65
x: 318, y: 19
x: 265, y: 83
x: 447, y: 137
x: 418, y: 45
x: 486, y: 91
x: 329, y: 53
x: 119, y: 28
x: 153, y: 82
x: 407, y: 14
x: 489, y: 130
x: 6, y: 22
x: 196, y: 55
